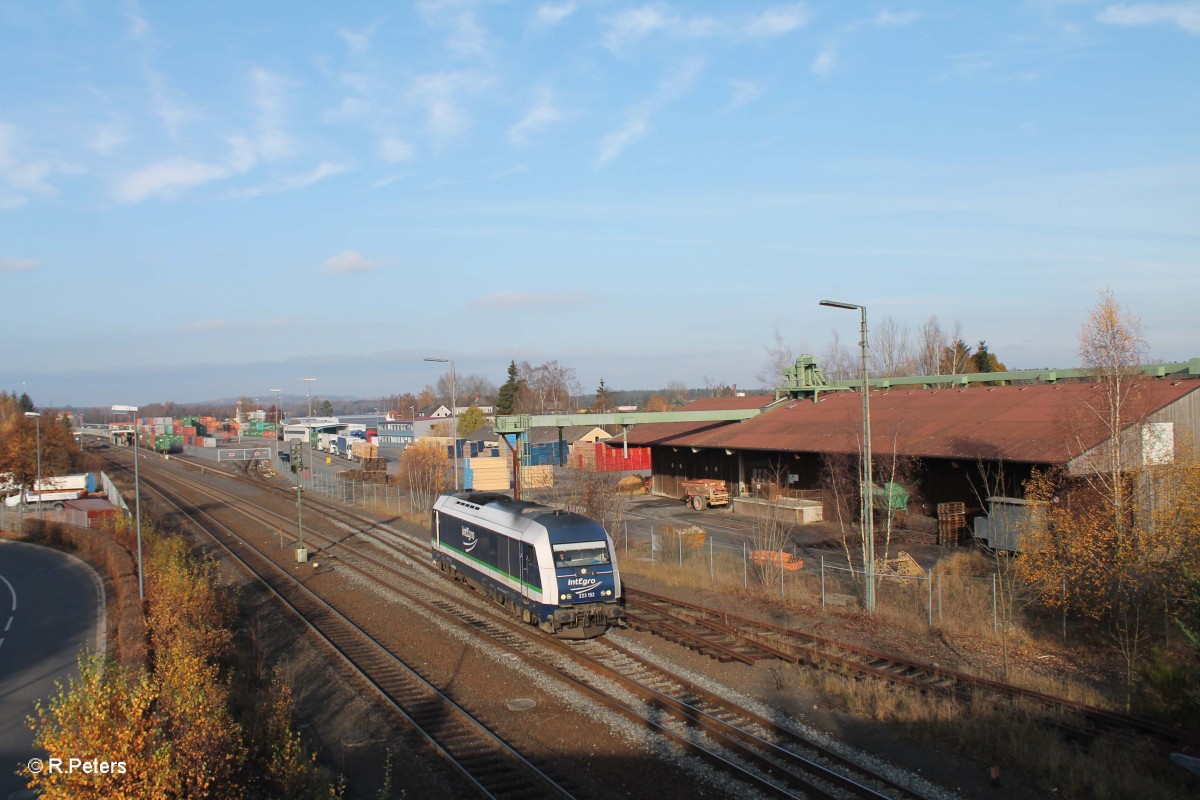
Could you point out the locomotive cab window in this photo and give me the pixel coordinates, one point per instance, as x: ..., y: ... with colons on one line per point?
x: 584, y: 554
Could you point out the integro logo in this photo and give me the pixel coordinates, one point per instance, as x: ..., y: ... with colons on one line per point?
x: 583, y: 585
x: 470, y: 539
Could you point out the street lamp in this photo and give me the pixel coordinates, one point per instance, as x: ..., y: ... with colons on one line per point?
x: 309, y: 381
x: 278, y: 414
x: 38, y: 433
x: 868, y: 516
x: 137, y: 497
x: 453, y: 414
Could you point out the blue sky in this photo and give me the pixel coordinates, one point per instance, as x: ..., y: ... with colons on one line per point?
x: 200, y: 200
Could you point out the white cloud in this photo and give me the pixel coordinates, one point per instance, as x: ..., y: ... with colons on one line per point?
x: 541, y: 115
x: 171, y: 111
x: 18, y: 264
x: 393, y: 149
x: 349, y: 262
x: 1183, y: 15
x: 21, y: 175
x: 440, y: 94
x: 550, y: 14
x: 896, y: 19
x: 615, y: 142
x: 744, y: 92
x: 777, y: 21
x: 629, y: 26
x: 358, y: 41
x: 322, y: 171
x: 139, y: 26
x: 166, y: 178
x: 108, y: 138
x: 465, y: 36
x: 507, y: 300
x: 825, y: 60
x: 272, y: 141
x: 638, y: 118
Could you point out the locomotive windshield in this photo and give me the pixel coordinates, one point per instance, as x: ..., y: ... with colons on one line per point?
x: 582, y: 554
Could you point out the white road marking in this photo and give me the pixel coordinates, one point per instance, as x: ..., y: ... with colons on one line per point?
x: 8, y: 624
x: 11, y: 589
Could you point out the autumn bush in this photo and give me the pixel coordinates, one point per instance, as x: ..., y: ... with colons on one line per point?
x: 172, y: 725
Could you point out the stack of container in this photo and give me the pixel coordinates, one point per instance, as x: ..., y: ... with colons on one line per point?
x: 599, y: 457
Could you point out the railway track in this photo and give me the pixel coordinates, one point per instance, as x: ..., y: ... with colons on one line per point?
x: 721, y: 635
x: 481, y: 758
x: 770, y: 757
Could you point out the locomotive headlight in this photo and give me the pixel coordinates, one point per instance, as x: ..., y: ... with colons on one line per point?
x: 564, y: 597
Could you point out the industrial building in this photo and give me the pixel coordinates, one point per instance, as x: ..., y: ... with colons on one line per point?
x: 961, y: 444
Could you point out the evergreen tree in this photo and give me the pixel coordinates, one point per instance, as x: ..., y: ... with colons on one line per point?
x: 602, y: 403
x: 986, y: 361
x: 982, y: 358
x: 507, y: 398
x: 326, y: 409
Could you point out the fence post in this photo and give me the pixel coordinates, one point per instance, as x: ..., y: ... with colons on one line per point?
x: 712, y: 575
x: 995, y: 625
x: 929, y: 588
x: 941, y: 621
x: 822, y: 581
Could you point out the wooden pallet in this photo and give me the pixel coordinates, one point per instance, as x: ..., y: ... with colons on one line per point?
x: 952, y: 524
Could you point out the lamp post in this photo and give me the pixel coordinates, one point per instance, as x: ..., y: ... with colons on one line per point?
x: 309, y: 381
x: 37, y: 418
x: 868, y: 517
x: 311, y: 465
x: 137, y: 497
x: 278, y: 415
x: 453, y: 413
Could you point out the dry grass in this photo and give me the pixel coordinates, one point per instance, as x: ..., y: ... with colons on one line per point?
x: 1107, y: 770
x: 1012, y: 738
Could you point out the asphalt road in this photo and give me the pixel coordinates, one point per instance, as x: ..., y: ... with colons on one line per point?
x: 51, y: 606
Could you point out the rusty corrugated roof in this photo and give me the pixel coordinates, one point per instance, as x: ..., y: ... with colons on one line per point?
x: 1037, y: 423
x: 669, y: 431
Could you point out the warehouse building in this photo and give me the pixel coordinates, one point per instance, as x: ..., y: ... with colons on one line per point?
x: 958, y: 444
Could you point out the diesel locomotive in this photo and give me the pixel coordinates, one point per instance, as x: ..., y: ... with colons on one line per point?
x: 553, y: 568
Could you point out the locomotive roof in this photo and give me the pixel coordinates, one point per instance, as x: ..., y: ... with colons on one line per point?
x: 563, y: 526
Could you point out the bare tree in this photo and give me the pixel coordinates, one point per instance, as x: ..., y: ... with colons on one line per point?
x: 1013, y: 591
x: 594, y: 495
x: 931, y: 343
x: 780, y: 356
x: 715, y: 388
x: 956, y: 357
x: 770, y: 533
x: 472, y: 389
x: 425, y: 472
x: 547, y: 387
x: 890, y: 351
x: 839, y: 363
x: 1112, y: 347
x: 841, y: 492
x: 676, y: 392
